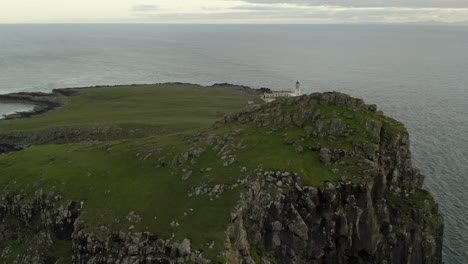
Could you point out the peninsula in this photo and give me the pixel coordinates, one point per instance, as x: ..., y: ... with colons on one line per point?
x: 182, y: 173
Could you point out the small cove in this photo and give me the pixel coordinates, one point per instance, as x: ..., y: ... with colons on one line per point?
x: 11, y: 108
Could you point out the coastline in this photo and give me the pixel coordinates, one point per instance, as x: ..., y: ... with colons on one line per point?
x: 45, y: 103
x: 42, y: 102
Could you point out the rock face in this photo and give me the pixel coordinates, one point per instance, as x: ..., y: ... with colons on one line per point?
x: 44, y: 220
x: 344, y: 223
x: 384, y: 218
x: 36, y: 221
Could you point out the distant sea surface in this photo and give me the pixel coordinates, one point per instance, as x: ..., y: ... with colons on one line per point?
x: 416, y: 74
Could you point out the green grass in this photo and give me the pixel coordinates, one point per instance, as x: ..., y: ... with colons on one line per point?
x: 158, y: 195
x: 165, y: 106
x: 88, y: 171
x: 405, y: 204
x: 270, y: 152
x: 434, y: 221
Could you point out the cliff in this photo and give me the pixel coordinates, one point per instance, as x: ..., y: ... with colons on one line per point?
x: 322, y: 178
x: 385, y: 217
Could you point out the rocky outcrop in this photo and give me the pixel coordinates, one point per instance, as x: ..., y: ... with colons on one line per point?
x: 45, y: 220
x: 37, y: 221
x: 131, y: 247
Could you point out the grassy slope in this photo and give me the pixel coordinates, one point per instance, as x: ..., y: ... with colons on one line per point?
x: 165, y: 106
x: 116, y: 177
x: 86, y: 171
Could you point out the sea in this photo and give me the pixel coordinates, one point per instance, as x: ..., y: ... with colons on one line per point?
x: 417, y: 74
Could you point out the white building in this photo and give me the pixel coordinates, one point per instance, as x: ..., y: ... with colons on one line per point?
x: 269, y: 97
x: 298, y: 89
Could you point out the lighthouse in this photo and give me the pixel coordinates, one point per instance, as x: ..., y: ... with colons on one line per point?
x: 298, y: 89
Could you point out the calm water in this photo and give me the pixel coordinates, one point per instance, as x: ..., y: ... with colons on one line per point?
x: 6, y: 109
x: 417, y: 74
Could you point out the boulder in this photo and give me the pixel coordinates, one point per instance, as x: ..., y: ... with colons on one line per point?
x: 184, y: 248
x: 325, y: 156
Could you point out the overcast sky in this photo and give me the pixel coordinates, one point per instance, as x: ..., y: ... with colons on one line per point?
x: 233, y: 11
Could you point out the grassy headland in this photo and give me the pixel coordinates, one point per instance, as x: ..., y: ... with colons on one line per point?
x: 171, y: 167
x: 174, y: 107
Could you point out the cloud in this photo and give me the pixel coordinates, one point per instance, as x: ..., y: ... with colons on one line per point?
x: 145, y: 8
x: 371, y: 3
x: 293, y: 13
x: 257, y: 7
x: 233, y: 11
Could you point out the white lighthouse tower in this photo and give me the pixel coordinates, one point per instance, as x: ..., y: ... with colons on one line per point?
x: 298, y: 89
